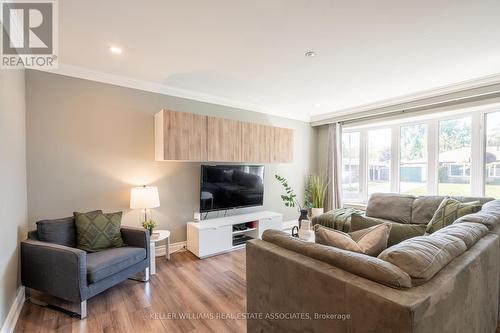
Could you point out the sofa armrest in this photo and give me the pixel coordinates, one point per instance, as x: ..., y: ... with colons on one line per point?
x: 339, y: 219
x: 54, y: 269
x: 136, y: 237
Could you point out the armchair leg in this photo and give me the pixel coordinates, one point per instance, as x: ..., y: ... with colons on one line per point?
x: 77, y: 309
x: 83, y: 310
x: 27, y: 293
x: 142, y: 276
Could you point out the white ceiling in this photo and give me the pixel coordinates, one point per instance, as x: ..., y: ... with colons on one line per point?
x: 250, y: 54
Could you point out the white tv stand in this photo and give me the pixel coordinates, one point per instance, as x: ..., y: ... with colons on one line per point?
x: 214, y: 236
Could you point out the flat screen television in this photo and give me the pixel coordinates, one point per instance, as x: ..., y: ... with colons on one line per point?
x: 231, y: 186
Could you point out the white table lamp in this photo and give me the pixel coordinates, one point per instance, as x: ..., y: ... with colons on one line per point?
x: 144, y: 197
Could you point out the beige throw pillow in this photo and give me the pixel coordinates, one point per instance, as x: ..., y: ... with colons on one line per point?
x: 370, y: 241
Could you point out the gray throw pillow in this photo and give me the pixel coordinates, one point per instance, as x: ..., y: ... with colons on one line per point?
x: 58, y: 231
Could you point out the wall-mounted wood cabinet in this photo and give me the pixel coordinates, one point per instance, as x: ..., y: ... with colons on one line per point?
x: 224, y: 140
x: 183, y: 136
x: 180, y: 136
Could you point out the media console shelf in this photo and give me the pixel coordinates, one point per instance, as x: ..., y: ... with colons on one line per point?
x: 214, y: 236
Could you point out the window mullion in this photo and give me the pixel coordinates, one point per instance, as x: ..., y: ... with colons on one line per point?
x: 395, y: 157
x: 363, y: 162
x: 432, y: 156
x: 477, y: 154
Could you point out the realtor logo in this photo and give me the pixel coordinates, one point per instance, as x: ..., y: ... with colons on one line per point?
x: 29, y: 34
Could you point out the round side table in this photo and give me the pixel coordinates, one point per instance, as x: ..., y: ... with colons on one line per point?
x: 156, y: 237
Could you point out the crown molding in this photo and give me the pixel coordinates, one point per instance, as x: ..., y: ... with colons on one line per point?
x: 414, y: 97
x: 123, y: 81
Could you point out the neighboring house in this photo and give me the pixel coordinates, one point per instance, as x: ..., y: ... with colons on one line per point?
x: 455, y: 167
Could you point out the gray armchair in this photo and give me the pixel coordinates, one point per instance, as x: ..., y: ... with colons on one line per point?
x: 51, y: 263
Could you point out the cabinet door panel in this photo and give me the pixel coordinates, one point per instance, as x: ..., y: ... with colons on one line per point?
x: 184, y: 136
x: 215, y: 240
x: 224, y: 138
x: 251, y: 142
x: 283, y: 145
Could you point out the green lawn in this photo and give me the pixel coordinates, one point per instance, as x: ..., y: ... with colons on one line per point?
x: 454, y: 189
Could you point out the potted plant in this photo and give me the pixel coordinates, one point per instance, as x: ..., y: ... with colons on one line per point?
x: 149, y: 225
x: 315, y: 194
x: 290, y: 198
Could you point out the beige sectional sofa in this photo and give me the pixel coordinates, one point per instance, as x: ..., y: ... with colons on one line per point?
x: 296, y: 286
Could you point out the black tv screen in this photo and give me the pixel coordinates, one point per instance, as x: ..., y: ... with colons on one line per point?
x: 231, y: 186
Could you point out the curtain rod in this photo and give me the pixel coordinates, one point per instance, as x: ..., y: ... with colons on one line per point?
x: 424, y: 107
x: 450, y: 99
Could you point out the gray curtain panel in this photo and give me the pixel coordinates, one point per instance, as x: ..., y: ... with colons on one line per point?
x: 334, y: 167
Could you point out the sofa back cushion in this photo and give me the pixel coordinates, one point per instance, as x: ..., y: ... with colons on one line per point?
x: 370, y: 241
x: 424, y: 207
x: 424, y: 256
x: 489, y: 215
x: 390, y: 206
x: 469, y: 232
x: 399, y: 231
x: 57, y: 231
x: 357, y: 263
x: 482, y: 200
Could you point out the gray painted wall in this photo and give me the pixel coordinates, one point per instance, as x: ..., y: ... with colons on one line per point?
x: 13, y: 209
x: 88, y: 143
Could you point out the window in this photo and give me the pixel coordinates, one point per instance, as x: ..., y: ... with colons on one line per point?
x: 379, y: 160
x: 434, y: 154
x: 413, y: 159
x: 351, y: 166
x: 455, y: 138
x: 492, y: 156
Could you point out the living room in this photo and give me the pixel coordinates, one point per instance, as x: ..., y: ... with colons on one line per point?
x: 237, y: 166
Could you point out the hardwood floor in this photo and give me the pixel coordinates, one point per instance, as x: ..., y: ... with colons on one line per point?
x: 183, y: 286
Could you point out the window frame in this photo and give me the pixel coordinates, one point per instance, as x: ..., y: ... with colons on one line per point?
x: 478, y: 150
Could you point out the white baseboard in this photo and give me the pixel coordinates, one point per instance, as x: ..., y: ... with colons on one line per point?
x: 10, y: 322
x: 160, y: 250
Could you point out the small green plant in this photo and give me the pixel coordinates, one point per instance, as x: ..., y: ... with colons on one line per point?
x: 290, y: 198
x: 316, y: 191
x: 149, y: 224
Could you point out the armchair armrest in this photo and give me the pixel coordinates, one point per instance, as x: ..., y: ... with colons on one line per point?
x: 57, y: 270
x: 136, y: 237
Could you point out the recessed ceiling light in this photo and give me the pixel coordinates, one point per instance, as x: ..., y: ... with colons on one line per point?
x: 317, y: 105
x: 115, y: 50
x: 310, y: 54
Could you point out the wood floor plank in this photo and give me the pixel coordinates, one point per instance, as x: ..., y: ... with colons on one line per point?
x: 185, y: 295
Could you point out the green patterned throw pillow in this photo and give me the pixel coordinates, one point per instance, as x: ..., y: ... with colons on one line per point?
x: 97, y: 231
x: 450, y: 210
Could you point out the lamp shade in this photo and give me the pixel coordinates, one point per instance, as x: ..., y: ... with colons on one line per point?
x: 144, y: 197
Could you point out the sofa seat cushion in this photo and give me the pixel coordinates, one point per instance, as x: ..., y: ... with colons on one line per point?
x: 390, y: 206
x: 424, y: 256
x: 399, y: 232
x: 359, y: 264
x: 424, y: 207
x: 370, y: 241
x: 449, y: 211
x: 105, y: 263
x: 469, y: 232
